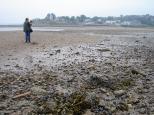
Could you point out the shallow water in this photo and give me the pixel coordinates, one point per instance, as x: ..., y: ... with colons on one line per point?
x: 7, y: 29
x: 43, y: 29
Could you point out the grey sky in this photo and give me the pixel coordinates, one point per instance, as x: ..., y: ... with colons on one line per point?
x: 15, y: 11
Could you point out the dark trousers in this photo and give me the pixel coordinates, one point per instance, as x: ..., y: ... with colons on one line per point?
x: 27, y: 37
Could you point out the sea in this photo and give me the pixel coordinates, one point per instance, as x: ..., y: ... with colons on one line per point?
x: 43, y: 29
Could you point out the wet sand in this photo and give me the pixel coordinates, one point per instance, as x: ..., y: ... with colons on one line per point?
x: 112, y: 64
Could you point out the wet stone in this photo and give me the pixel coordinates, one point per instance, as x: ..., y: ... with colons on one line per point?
x: 58, y: 51
x: 38, y: 91
x: 3, y: 97
x: 103, y: 50
x: 142, y: 111
x: 119, y: 92
x: 123, y: 106
x: 101, y: 109
x: 98, y: 81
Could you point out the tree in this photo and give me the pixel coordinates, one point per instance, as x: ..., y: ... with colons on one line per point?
x: 72, y: 19
x: 82, y: 18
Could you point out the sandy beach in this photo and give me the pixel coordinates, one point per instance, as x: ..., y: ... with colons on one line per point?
x: 78, y: 71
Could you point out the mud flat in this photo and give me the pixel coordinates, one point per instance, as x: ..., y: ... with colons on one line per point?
x: 78, y: 71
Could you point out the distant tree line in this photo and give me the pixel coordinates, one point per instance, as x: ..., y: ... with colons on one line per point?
x: 127, y: 20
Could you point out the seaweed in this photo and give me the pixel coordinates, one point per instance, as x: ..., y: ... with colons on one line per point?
x: 75, y: 104
x: 124, y: 84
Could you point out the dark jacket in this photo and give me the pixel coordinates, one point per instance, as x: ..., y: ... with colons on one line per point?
x: 26, y: 27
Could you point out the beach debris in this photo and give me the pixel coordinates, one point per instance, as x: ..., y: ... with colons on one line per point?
x: 22, y: 95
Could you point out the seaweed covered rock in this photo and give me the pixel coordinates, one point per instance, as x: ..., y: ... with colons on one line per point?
x: 99, y: 81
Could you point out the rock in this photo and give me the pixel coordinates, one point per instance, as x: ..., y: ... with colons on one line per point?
x: 44, y: 108
x: 103, y: 90
x: 101, y: 110
x: 61, y: 90
x: 23, y: 103
x: 39, y: 61
x: 27, y: 111
x: 38, y: 91
x: 133, y: 99
x: 142, y: 111
x: 103, y: 50
x: 58, y: 51
x: 7, y: 65
x: 130, y: 106
x: 113, y: 109
x: 100, y: 44
x: 91, y: 67
x: 123, y: 106
x: 51, y: 54
x: 77, y: 53
x: 17, y: 66
x: 109, y: 96
x: 136, y: 72
x: 99, y: 81
x: 137, y: 41
x: 93, y: 99
x: 2, y: 107
x: 3, y: 97
x: 119, y: 92
x: 88, y: 112
x: 92, y: 60
x: 152, y: 109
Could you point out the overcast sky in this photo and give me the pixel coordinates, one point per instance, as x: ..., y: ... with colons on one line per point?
x: 15, y: 11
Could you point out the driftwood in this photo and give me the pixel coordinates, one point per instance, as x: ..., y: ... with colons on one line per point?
x: 22, y: 95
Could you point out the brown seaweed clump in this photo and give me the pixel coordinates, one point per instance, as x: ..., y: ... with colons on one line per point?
x: 74, y: 104
x: 124, y: 84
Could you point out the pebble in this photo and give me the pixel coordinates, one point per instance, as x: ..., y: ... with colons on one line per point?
x: 142, y: 111
x: 38, y: 91
x: 119, y: 92
x: 130, y: 106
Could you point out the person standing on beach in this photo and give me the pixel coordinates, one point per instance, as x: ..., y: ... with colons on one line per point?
x: 31, y: 30
x: 27, y: 30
